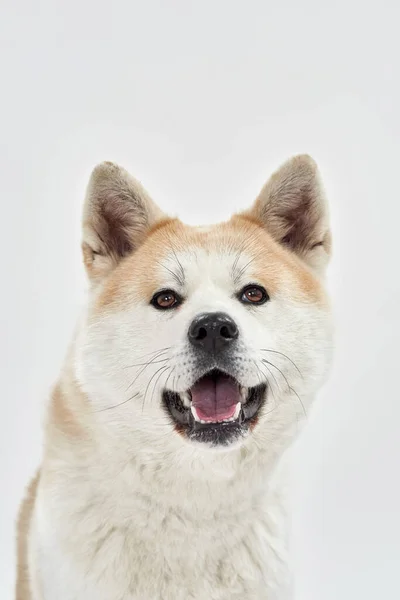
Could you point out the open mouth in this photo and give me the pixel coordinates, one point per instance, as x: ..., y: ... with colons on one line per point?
x: 216, y: 410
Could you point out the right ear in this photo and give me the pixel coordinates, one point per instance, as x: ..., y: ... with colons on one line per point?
x: 118, y: 214
x: 293, y: 209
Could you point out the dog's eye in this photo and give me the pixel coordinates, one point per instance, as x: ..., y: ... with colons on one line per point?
x: 253, y: 294
x: 166, y: 299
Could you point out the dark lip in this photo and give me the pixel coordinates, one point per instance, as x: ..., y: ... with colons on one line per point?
x: 214, y: 434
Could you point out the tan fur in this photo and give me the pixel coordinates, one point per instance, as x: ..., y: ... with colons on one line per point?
x: 62, y: 417
x: 24, y: 519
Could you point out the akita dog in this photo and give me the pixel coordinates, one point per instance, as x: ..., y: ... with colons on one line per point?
x: 168, y: 434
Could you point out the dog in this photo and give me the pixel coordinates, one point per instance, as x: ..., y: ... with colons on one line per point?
x: 167, y: 439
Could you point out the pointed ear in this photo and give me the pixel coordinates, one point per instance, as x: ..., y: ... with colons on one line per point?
x: 292, y: 207
x: 118, y: 214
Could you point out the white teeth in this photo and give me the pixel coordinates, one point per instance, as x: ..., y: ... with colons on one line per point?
x: 234, y: 417
x: 186, y: 399
x: 237, y: 411
x: 243, y: 393
x: 195, y: 415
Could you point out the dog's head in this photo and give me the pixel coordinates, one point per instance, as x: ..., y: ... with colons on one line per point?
x: 210, y: 336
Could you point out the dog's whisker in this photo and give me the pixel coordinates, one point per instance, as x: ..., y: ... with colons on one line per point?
x: 181, y: 269
x: 290, y: 388
x: 285, y: 356
x: 170, y: 373
x: 155, y: 351
x: 178, y: 278
x: 272, y: 375
x: 119, y: 404
x: 258, y: 372
x: 157, y: 380
x: 300, y: 400
x: 243, y: 269
x: 267, y: 362
x: 142, y: 370
x: 157, y: 362
x: 234, y: 272
x: 270, y: 383
x: 160, y: 351
x: 274, y: 404
x: 162, y: 369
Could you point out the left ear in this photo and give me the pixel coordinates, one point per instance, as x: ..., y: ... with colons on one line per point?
x: 292, y: 207
x: 118, y: 215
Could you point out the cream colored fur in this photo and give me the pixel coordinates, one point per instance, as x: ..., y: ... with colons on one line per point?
x: 125, y: 508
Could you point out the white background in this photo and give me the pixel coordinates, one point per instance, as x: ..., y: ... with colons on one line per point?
x: 201, y: 100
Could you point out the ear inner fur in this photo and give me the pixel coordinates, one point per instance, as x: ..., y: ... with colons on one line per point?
x: 118, y: 214
x: 292, y: 207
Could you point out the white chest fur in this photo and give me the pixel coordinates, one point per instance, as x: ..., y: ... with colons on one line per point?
x: 130, y: 534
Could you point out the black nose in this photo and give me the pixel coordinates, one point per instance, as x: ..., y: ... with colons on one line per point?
x: 213, y: 332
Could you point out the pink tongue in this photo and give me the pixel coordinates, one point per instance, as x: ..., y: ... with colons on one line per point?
x: 215, y: 399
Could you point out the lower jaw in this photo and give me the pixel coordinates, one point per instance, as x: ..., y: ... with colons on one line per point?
x: 217, y: 434
x: 220, y: 434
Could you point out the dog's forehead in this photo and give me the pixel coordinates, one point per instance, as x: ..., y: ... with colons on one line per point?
x: 218, y: 249
x: 197, y: 267
x: 221, y: 254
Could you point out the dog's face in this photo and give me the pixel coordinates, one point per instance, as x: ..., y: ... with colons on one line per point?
x: 204, y: 335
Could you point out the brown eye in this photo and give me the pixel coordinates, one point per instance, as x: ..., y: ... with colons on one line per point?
x: 165, y: 300
x: 253, y: 294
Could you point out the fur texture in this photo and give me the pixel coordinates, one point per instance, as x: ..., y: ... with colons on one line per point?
x: 126, y: 506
